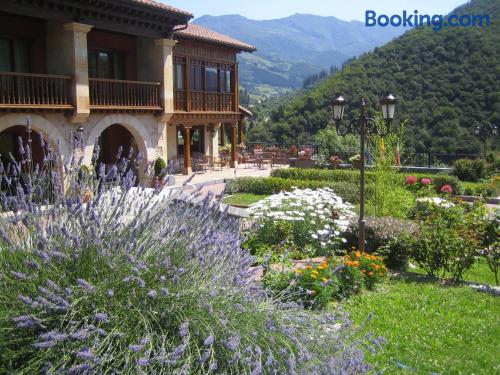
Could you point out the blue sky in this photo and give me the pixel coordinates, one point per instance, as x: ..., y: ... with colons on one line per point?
x: 343, y: 9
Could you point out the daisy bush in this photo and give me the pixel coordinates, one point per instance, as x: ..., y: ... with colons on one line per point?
x: 115, y: 279
x: 303, y: 223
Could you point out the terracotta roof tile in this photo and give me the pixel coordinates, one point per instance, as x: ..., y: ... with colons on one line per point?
x: 157, y: 4
x: 202, y: 33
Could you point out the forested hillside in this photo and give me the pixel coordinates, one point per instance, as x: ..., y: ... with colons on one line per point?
x: 447, y: 82
x: 292, y: 48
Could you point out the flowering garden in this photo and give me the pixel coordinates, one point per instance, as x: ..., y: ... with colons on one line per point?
x: 101, y: 275
x: 423, y: 244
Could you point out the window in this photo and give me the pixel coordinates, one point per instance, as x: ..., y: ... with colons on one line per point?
x: 225, y: 80
x: 14, y: 55
x: 211, y: 79
x: 179, y: 76
x: 105, y: 64
x: 196, y: 78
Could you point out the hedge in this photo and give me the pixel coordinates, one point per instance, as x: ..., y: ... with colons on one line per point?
x: 272, y: 185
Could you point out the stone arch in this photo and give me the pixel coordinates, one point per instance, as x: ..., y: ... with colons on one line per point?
x: 133, y: 125
x: 41, y: 125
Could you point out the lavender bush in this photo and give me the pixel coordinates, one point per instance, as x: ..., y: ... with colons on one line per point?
x: 142, y: 281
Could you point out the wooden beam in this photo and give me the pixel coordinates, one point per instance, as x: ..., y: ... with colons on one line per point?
x: 186, y: 132
x: 234, y: 160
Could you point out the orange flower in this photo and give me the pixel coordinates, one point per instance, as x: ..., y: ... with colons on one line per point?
x: 358, y: 254
x: 324, y: 264
x: 308, y: 267
x: 364, y: 271
x: 370, y: 273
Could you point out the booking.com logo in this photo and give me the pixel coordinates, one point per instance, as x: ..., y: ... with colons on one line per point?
x: 437, y: 21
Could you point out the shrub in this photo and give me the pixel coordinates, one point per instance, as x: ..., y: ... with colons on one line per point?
x: 160, y: 167
x: 382, y: 236
x: 316, y: 285
x: 449, y: 239
x: 441, y: 180
x: 139, y: 281
x: 315, y: 174
x: 389, y: 198
x: 470, y: 170
x: 371, y: 267
x: 491, y: 243
x: 304, y: 223
x: 273, y: 185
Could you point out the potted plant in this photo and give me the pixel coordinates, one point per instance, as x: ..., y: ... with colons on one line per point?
x: 160, y: 168
x: 355, y: 161
x: 335, y: 161
x: 225, y: 150
x: 241, y: 147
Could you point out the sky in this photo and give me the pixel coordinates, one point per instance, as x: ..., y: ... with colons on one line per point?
x: 343, y: 9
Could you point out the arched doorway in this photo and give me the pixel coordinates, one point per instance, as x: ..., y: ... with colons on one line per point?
x: 34, y: 168
x: 111, y: 140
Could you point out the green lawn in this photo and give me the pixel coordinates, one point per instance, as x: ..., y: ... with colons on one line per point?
x: 431, y: 328
x: 479, y: 273
x: 243, y: 199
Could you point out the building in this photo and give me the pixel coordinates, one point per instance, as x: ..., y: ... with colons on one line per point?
x: 130, y: 73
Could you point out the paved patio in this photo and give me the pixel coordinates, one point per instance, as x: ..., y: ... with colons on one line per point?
x: 226, y: 173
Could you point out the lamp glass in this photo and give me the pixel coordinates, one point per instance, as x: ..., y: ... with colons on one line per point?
x: 338, y: 107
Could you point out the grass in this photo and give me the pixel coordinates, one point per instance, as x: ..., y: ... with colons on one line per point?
x: 431, y: 328
x: 244, y: 199
x: 479, y: 273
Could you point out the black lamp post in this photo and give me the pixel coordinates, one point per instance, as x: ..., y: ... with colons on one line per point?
x: 363, y: 125
x: 485, y: 131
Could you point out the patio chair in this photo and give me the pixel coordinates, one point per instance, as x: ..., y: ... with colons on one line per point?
x: 202, y: 163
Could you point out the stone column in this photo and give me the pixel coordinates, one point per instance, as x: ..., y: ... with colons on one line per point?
x: 234, y: 159
x: 67, y: 54
x: 187, y: 150
x: 155, y: 63
x: 172, y: 143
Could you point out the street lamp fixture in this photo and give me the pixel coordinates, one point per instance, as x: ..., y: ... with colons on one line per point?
x: 485, y: 131
x: 363, y: 125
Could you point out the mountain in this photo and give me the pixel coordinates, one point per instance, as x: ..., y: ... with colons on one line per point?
x: 292, y: 48
x: 447, y: 82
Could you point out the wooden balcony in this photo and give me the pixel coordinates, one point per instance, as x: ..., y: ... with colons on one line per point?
x: 202, y: 101
x: 110, y: 94
x: 35, y: 91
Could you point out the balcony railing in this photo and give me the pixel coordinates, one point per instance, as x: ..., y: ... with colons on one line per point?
x: 204, y: 101
x: 117, y: 94
x: 25, y: 90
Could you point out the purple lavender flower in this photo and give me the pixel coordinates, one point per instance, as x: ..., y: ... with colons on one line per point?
x: 234, y: 342
x: 85, y: 285
x: 152, y: 294
x: 164, y: 291
x: 205, y: 356
x: 32, y: 264
x: 80, y: 335
x: 209, y: 340
x: 101, y: 317
x: 26, y: 321
x: 136, y: 348
x: 26, y: 300
x: 81, y: 369
x: 143, y: 362
x: 184, y: 329
x: 85, y: 353
x: 18, y: 275
x: 110, y: 293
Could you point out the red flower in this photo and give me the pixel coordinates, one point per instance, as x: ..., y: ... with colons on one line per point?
x: 410, y: 180
x: 426, y: 181
x: 446, y: 189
